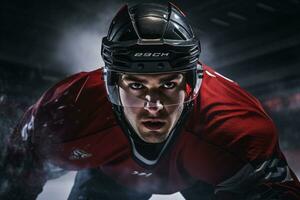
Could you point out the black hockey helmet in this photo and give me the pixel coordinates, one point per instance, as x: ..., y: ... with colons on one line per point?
x: 150, y: 38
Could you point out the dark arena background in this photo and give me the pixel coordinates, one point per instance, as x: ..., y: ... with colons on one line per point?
x: 256, y: 43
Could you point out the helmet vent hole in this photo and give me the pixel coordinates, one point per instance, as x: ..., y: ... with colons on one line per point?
x: 179, y: 34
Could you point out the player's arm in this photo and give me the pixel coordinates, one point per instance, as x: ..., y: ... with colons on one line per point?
x: 267, y: 175
x: 250, y: 135
x: 22, y: 171
x: 271, y: 179
x: 24, y: 168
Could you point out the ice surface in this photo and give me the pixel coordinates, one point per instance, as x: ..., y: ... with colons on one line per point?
x: 60, y: 188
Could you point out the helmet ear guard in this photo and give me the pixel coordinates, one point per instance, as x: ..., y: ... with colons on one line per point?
x: 199, y: 76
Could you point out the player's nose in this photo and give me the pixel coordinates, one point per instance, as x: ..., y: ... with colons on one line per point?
x: 153, y: 104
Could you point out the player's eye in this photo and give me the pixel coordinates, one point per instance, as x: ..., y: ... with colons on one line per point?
x: 136, y: 86
x: 169, y: 85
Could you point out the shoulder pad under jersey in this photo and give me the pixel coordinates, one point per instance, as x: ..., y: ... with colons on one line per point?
x: 73, y: 108
x: 229, y: 117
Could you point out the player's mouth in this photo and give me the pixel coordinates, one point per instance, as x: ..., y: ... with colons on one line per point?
x: 153, y: 124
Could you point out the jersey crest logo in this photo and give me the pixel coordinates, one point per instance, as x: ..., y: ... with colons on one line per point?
x: 78, y: 154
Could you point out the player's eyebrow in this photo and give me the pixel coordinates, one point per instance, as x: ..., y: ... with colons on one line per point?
x: 171, y: 77
x: 129, y: 77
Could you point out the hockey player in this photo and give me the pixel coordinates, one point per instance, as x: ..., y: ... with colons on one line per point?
x: 154, y: 120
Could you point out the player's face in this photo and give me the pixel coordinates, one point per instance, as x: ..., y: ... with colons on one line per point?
x: 152, y: 103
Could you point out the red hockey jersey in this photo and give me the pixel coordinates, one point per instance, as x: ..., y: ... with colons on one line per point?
x: 227, y: 139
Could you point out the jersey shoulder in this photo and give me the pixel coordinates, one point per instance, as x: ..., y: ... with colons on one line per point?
x: 229, y: 117
x: 75, y: 107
